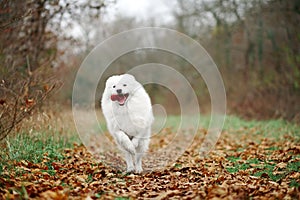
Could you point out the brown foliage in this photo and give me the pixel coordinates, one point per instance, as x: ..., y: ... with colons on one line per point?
x: 80, y: 176
x: 20, y: 96
x: 29, y: 32
x: 26, y: 53
x: 24, y: 35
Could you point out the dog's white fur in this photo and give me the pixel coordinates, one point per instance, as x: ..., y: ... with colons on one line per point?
x: 129, y: 124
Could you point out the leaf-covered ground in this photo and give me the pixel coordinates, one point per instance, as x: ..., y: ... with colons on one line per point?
x: 245, y: 164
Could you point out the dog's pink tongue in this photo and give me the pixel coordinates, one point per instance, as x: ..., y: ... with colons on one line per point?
x: 114, y: 97
x: 120, y: 98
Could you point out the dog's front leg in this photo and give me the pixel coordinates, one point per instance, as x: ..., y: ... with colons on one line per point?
x: 127, y: 147
x: 124, y: 142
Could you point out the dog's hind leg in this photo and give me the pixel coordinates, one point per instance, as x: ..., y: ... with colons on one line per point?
x: 140, y: 151
x: 129, y: 162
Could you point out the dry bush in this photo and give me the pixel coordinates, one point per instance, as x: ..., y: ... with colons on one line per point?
x: 30, y: 33
x: 27, y: 50
x: 20, y: 95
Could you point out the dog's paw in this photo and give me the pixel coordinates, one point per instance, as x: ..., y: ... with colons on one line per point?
x: 135, y: 142
x: 130, y: 169
x: 138, y: 170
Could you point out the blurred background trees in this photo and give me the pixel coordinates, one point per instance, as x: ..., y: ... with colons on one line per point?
x: 256, y: 46
x: 254, y: 43
x: 31, y: 45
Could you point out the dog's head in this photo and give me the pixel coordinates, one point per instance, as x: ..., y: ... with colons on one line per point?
x: 120, y: 87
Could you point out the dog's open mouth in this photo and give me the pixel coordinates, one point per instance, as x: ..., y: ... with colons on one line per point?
x: 121, y: 98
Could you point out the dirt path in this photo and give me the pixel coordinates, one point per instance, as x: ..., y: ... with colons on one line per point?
x: 241, y: 167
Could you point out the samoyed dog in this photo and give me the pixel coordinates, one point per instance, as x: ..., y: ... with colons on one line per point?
x: 128, y: 112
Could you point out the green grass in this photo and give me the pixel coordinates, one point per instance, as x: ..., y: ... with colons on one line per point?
x: 294, y: 183
x: 32, y: 148
x: 241, y: 166
x: 263, y: 169
x: 121, y: 198
x: 276, y: 130
x: 268, y: 128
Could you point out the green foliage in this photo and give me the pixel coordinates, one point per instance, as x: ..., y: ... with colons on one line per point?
x: 89, y: 178
x: 98, y: 195
x: 177, y: 165
x: 121, y: 198
x: 33, y: 147
x: 277, y: 130
x: 274, y: 128
x: 261, y: 168
x: 293, y: 166
x: 294, y: 183
x: 293, y: 62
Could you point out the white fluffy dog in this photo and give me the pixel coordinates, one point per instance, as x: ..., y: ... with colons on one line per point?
x: 128, y: 112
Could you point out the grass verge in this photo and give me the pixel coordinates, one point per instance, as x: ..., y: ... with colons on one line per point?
x: 34, y: 148
x: 251, y: 158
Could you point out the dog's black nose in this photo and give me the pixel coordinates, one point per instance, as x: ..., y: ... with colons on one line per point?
x: 119, y: 91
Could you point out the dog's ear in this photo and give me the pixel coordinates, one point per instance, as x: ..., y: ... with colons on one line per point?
x: 110, y: 80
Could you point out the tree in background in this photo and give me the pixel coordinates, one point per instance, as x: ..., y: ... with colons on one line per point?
x: 255, y: 43
x: 30, y: 35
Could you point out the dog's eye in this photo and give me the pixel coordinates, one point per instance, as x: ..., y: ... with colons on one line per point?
x: 124, y: 85
x: 114, y: 86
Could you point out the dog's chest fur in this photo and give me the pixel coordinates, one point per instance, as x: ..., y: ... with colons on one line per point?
x: 123, y: 120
